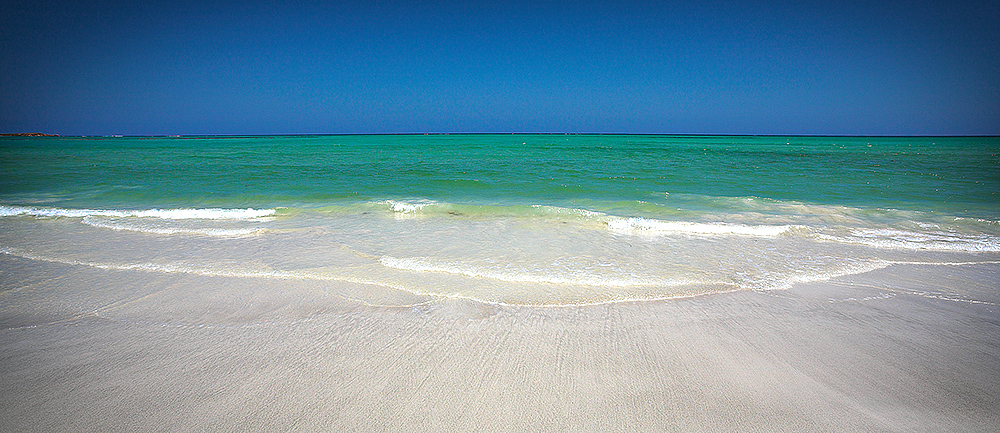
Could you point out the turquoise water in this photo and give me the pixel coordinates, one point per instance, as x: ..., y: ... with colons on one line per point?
x: 958, y: 175
x: 505, y: 218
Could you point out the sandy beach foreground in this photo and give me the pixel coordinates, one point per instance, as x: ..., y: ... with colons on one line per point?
x: 906, y: 348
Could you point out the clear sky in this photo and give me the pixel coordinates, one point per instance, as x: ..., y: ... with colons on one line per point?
x: 703, y: 67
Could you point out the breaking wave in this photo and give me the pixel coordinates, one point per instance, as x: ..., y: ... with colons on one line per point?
x: 172, y: 214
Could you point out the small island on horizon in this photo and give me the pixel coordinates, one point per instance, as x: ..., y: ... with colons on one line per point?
x: 28, y: 134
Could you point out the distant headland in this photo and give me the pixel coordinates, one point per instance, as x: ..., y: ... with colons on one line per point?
x: 29, y: 134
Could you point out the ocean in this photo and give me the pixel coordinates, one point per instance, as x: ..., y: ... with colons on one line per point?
x: 538, y: 219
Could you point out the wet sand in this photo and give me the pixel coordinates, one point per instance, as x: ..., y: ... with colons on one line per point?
x: 907, y: 348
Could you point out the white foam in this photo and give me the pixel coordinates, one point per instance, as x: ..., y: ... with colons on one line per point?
x: 952, y: 298
x: 909, y: 240
x: 854, y: 268
x: 981, y: 220
x: 120, y: 225
x: 637, y: 225
x: 235, y: 214
x: 568, y: 211
x: 174, y: 214
x: 407, y: 206
x: 422, y: 264
x: 211, y: 271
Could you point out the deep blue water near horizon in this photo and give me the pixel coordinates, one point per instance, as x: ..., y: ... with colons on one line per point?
x: 533, y: 218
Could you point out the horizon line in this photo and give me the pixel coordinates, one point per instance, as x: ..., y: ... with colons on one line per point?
x: 47, y: 135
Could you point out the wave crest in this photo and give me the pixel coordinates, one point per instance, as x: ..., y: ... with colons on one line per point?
x: 173, y: 214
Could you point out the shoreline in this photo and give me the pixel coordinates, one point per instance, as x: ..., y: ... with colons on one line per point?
x: 904, y: 348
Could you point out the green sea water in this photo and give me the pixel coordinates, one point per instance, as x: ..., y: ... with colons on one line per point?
x: 505, y: 218
x: 953, y: 174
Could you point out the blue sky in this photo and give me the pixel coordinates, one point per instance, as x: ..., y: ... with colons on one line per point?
x: 710, y: 67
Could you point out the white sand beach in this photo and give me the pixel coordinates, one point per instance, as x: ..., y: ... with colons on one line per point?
x: 907, y: 348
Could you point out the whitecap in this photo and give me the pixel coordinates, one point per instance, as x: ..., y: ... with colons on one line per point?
x: 175, y: 214
x: 407, y: 206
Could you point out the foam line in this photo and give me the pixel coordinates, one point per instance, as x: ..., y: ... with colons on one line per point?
x: 202, y: 270
x: 214, y: 232
x: 424, y: 265
x: 908, y: 240
x: 651, y: 226
x: 174, y: 214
